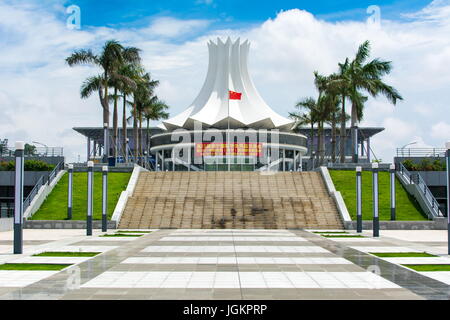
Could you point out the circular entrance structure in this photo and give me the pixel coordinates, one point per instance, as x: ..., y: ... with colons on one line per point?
x: 228, y: 127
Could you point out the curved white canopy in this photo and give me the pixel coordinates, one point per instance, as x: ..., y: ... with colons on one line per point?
x: 228, y: 70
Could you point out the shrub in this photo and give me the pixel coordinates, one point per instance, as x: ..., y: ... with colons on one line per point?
x: 425, y: 165
x: 29, y: 165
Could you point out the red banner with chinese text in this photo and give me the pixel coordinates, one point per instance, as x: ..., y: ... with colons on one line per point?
x: 228, y: 149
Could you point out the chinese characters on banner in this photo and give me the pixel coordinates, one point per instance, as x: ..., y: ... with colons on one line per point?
x: 228, y: 149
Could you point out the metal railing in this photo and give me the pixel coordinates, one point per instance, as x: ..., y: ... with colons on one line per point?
x: 415, y: 178
x: 35, y: 152
x: 43, y: 180
x: 421, y: 152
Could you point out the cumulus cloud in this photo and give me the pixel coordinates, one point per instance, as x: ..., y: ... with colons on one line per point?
x: 39, y: 93
x: 441, y: 131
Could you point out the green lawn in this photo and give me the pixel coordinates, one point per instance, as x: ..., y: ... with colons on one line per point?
x: 428, y: 267
x: 402, y: 254
x: 33, y: 266
x: 329, y: 232
x: 129, y: 231
x: 407, y: 207
x: 55, y: 206
x: 66, y: 254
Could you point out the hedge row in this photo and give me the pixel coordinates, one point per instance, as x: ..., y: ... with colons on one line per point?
x: 29, y: 165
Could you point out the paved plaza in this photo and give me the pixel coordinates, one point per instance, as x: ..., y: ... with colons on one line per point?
x: 226, y: 264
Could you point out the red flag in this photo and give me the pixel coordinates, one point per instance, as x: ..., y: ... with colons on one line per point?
x: 235, y: 95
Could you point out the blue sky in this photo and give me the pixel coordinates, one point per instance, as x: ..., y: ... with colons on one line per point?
x: 230, y: 13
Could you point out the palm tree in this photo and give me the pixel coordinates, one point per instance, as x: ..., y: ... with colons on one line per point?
x: 131, y: 58
x: 127, y: 85
x: 306, y: 118
x: 154, y: 110
x: 361, y: 76
x: 143, y: 93
x: 107, y: 60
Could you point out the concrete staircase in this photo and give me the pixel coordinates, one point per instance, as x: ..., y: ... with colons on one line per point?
x: 230, y: 200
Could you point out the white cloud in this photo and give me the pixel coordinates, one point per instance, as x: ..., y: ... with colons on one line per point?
x: 39, y: 95
x: 441, y: 131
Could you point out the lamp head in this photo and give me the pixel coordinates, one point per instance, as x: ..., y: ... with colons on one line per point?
x: 19, y: 145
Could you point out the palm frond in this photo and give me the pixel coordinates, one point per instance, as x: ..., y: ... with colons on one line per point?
x: 82, y: 57
x: 90, y: 85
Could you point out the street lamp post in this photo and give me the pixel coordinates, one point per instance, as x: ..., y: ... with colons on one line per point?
x: 376, y: 221
x: 42, y: 144
x: 359, y: 199
x: 104, y: 198
x: 70, y: 192
x: 18, y: 198
x: 447, y: 146
x: 392, y: 176
x: 90, y: 196
x: 408, y: 144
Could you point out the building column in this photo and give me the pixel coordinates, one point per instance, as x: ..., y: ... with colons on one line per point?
x: 284, y: 160
x: 163, y: 164
x: 368, y: 150
x: 88, y: 150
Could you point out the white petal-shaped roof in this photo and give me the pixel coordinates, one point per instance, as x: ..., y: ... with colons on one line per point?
x: 228, y: 70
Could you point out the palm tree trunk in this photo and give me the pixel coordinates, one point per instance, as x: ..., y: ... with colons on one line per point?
x: 124, y: 128
x: 115, y: 125
x: 354, y: 133
x: 105, y: 104
x: 343, y: 132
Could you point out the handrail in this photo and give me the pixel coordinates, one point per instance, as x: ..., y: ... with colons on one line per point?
x: 423, y: 188
x: 421, y: 152
x: 40, y: 183
x: 33, y: 193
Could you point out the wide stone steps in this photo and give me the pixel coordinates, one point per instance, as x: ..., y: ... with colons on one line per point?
x: 214, y: 200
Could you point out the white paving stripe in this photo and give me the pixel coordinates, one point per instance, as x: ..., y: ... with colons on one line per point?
x: 84, y: 248
x: 239, y: 280
x: 259, y: 249
x: 233, y: 260
x: 22, y: 278
x: 443, y: 276
x: 237, y: 234
x: 234, y: 238
x: 383, y: 249
x: 110, y: 239
x: 55, y: 260
x: 343, y: 239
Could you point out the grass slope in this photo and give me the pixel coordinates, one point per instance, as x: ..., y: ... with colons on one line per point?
x: 407, y: 207
x: 55, y: 206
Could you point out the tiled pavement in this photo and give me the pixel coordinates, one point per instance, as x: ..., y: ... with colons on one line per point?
x: 222, y: 264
